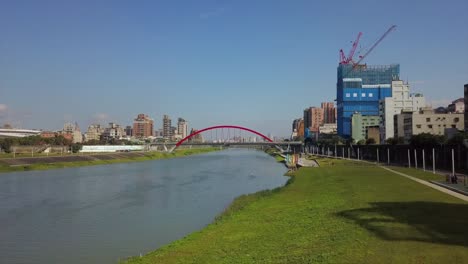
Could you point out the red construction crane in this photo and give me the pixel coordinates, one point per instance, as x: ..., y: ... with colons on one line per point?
x: 349, y: 59
x: 373, y: 46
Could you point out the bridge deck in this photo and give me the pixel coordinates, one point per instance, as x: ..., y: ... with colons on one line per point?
x: 295, y: 143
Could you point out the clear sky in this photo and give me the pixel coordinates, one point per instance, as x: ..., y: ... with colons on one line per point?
x: 251, y: 63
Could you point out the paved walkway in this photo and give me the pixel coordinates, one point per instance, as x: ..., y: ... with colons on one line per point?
x: 307, y: 163
x: 442, y: 189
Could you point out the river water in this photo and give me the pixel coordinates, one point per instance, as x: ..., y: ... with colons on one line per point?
x: 101, y: 214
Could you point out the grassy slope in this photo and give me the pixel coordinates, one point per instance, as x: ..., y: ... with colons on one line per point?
x: 341, y: 212
x: 148, y: 156
x: 273, y: 152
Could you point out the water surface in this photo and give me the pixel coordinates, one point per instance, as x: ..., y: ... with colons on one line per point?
x: 100, y: 214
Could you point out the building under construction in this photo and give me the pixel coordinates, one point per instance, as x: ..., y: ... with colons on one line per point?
x: 359, y: 89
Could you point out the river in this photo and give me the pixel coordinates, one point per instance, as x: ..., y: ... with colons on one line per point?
x: 100, y: 214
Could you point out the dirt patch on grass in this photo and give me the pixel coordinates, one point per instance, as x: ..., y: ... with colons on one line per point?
x: 71, y: 158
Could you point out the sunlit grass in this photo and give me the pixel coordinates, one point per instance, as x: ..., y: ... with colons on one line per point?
x: 341, y: 212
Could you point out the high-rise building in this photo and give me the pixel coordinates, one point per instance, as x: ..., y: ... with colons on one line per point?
x: 68, y: 128
x: 359, y: 89
x: 166, y: 126
x: 160, y: 133
x: 143, y: 126
x: 401, y: 100
x: 198, y: 138
x: 129, y: 131
x: 466, y: 107
x: 313, y: 118
x: 295, y: 124
x: 174, y: 133
x: 77, y: 136
x: 182, y: 127
x: 307, y: 118
x: 113, y: 131
x: 329, y: 112
x: 300, y: 128
x: 72, y: 131
x: 94, y: 132
x: 297, y: 128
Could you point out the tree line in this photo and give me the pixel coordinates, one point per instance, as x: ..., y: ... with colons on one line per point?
x: 420, y: 140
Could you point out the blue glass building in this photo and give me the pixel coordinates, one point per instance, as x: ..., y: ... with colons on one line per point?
x: 359, y: 89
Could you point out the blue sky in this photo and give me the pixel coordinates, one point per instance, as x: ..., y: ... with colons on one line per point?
x: 251, y: 63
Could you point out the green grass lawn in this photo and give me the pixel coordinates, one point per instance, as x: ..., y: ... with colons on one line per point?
x: 341, y: 212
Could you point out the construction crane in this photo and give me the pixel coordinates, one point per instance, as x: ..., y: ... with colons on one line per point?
x: 373, y: 46
x: 349, y: 59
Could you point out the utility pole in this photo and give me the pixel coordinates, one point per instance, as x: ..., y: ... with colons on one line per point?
x: 424, y: 160
x: 415, y: 159
x: 409, y: 159
x: 388, y: 156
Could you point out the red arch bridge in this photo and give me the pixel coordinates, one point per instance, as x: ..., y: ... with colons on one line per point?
x: 227, y: 135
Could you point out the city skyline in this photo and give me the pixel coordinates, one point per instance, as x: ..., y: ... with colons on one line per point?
x: 213, y: 63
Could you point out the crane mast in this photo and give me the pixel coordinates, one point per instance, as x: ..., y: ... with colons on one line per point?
x: 349, y: 58
x: 375, y: 45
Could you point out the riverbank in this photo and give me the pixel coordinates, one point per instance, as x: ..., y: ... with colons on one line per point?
x: 343, y: 211
x: 56, y: 162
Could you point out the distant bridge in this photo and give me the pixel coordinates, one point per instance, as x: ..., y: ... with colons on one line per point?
x: 282, y: 143
x: 228, y: 142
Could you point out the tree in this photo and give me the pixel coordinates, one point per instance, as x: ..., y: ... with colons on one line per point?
x: 61, y: 141
x: 76, y: 147
x: 395, y: 141
x: 350, y: 141
x: 426, y: 140
x: 391, y: 141
x: 337, y: 140
x: 370, y: 141
x: 5, y: 144
x: 457, y: 139
x: 298, y: 138
x: 400, y: 140
x: 361, y: 142
x: 93, y: 142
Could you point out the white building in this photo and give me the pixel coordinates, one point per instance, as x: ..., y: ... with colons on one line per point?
x: 182, y: 127
x: 74, y: 131
x: 457, y: 106
x: 330, y: 128
x: 426, y: 121
x: 294, y: 134
x: 401, y: 100
x: 68, y: 128
x: 113, y: 131
x: 94, y: 132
